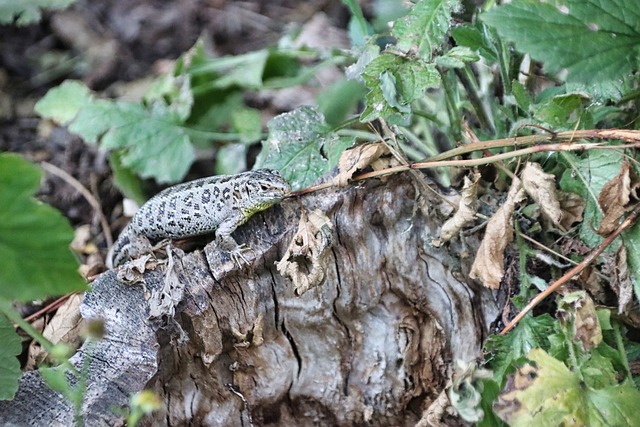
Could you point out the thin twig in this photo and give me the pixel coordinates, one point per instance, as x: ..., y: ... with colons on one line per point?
x: 77, y: 185
x: 628, y: 222
x: 542, y: 144
x: 48, y: 308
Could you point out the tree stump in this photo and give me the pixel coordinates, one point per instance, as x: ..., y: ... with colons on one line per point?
x: 372, y: 344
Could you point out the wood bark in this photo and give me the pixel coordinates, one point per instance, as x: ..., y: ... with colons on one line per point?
x: 373, y: 344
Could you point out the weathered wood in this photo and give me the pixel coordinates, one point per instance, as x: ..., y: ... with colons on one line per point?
x: 374, y: 343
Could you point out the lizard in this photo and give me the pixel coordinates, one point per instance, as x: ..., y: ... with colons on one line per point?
x: 217, y: 204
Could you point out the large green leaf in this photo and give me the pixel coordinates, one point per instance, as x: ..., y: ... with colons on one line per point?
x: 9, y: 364
x: 595, y: 40
x: 34, y: 238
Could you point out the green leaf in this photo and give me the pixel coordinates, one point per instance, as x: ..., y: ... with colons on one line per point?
x: 521, y: 96
x: 339, y: 100
x: 152, y: 139
x: 359, y: 28
x: 301, y: 147
x: 126, y: 180
x: 231, y: 159
x: 585, y: 176
x: 62, y: 103
x: 9, y: 365
x: 504, y: 351
x: 28, y: 11
x: 561, y: 111
x: 457, y: 57
x: 424, y: 28
x: 172, y: 93
x: 546, y: 392
x: 248, y: 123
x: 394, y: 82
x: 474, y: 39
x: 595, y: 40
x: 241, y: 71
x: 34, y: 238
x: 154, y: 143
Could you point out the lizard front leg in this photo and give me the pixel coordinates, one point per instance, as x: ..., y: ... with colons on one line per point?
x: 228, y: 243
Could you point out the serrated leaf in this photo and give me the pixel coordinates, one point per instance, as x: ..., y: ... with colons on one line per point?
x: 424, y: 27
x: 28, y: 11
x: 154, y: 143
x: 297, y: 143
x: 390, y: 92
x: 62, y: 103
x: 530, y: 333
x: 9, y: 365
x: 34, y: 238
x: 595, y: 40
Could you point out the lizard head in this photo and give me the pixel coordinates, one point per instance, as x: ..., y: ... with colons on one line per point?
x: 265, y: 188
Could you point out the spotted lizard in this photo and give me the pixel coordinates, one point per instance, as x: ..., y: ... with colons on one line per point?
x: 217, y: 204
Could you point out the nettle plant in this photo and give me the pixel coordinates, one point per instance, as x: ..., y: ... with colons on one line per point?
x: 443, y: 80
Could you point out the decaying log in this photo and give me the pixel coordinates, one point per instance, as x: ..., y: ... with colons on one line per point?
x: 373, y: 343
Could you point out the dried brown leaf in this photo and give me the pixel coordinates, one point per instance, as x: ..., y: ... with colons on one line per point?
x: 572, y: 206
x: 616, y: 198
x: 64, y: 327
x: 488, y: 267
x: 466, y: 212
x: 541, y: 187
x: 304, y: 261
x: 358, y: 158
x: 579, y: 307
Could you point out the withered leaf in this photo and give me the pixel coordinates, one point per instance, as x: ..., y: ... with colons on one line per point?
x: 617, y: 197
x: 304, y: 261
x: 358, y: 158
x: 466, y: 212
x: 488, y: 267
x: 572, y: 206
x: 541, y: 187
x: 579, y: 307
